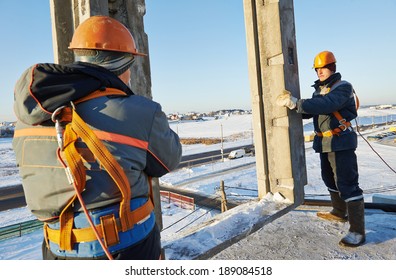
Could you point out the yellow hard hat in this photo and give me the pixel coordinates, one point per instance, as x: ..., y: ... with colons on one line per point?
x: 324, y: 58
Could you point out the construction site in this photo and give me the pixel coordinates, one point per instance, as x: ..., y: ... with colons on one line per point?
x: 277, y: 222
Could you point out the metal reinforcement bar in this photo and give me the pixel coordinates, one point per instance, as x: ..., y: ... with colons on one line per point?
x: 17, y: 230
x: 368, y: 205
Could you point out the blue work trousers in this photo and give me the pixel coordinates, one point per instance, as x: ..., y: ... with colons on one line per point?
x: 340, y: 174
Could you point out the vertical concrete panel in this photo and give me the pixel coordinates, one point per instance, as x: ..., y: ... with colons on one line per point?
x: 131, y: 14
x: 280, y: 152
x: 62, y: 23
x: 257, y: 100
x: 83, y: 9
x: 295, y: 128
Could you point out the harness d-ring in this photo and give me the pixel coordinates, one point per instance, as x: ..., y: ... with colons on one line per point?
x: 58, y: 127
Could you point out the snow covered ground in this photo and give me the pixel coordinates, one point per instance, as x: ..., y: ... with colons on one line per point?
x: 296, y: 235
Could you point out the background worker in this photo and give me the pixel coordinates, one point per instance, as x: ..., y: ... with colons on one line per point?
x: 332, y: 108
x: 135, y: 144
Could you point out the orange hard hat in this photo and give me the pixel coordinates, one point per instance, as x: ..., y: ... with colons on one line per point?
x: 324, y: 58
x: 103, y: 33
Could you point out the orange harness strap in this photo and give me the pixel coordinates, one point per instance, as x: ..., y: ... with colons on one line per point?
x: 79, y: 128
x: 100, y: 93
x: 109, y: 227
x: 343, y: 123
x: 336, y: 131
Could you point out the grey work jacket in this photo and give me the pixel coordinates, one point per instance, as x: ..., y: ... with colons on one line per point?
x: 137, y: 118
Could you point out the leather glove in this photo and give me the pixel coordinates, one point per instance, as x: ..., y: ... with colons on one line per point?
x: 287, y: 100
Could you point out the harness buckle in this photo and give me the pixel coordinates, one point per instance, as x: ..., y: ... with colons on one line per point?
x: 342, y: 125
x: 327, y: 133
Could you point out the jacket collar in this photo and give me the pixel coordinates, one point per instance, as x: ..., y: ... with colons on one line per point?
x: 329, y: 82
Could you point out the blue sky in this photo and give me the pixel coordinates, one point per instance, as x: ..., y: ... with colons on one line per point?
x: 198, y: 49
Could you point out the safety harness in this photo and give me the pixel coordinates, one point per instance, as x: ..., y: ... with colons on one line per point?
x: 343, y: 124
x: 110, y: 226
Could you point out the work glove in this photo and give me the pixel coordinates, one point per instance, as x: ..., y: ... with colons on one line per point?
x: 287, y: 100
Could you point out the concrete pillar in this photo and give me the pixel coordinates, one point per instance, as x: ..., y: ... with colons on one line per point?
x: 62, y: 23
x: 66, y: 15
x: 131, y: 14
x: 278, y: 132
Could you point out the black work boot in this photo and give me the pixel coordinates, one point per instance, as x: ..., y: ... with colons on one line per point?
x: 338, y: 213
x: 357, y: 234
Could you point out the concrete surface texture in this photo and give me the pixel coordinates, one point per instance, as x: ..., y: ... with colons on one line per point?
x: 301, y: 235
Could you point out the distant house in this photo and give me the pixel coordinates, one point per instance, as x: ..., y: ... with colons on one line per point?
x: 383, y: 107
x: 7, y: 129
x: 202, y: 116
x: 173, y: 117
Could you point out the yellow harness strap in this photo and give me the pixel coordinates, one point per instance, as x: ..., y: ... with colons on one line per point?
x: 66, y: 225
x: 87, y: 234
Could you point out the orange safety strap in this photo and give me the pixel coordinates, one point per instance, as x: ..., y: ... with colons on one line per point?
x: 343, y: 123
x: 66, y: 219
x: 66, y: 113
x: 100, y: 93
x: 113, y: 168
x: 76, y: 174
x: 357, y: 101
x: 76, y: 169
x: 337, y: 130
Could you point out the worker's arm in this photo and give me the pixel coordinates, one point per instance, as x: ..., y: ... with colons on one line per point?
x: 164, y: 151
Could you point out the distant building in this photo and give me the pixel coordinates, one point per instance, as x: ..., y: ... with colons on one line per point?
x: 7, y: 129
x: 201, y: 116
x: 382, y: 107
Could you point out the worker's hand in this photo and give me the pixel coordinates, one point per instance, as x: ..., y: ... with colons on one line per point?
x: 287, y: 100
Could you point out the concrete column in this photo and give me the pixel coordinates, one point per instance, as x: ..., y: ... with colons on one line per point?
x: 62, y: 24
x: 68, y: 14
x: 278, y: 132
x: 131, y: 14
x: 83, y: 9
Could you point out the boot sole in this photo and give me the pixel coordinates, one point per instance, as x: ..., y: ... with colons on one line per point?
x: 330, y: 217
x: 349, y: 245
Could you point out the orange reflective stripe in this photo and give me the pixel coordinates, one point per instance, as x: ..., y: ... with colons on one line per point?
x: 163, y: 164
x: 31, y: 92
x: 35, y: 132
x: 112, y: 137
x: 121, y: 139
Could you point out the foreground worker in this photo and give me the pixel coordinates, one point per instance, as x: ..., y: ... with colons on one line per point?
x: 333, y: 107
x: 86, y: 165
